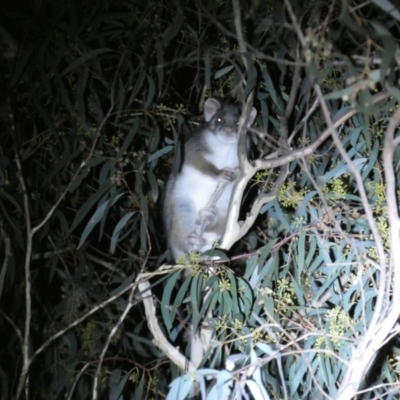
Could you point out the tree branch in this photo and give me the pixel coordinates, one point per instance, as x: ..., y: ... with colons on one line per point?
x: 159, y: 339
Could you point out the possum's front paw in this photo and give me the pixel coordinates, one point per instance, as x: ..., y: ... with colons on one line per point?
x: 230, y: 174
x: 194, y: 243
x: 208, y: 216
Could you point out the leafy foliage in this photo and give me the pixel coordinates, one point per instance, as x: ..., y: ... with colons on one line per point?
x: 100, y: 94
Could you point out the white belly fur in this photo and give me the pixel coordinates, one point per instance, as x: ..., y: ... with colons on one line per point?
x: 199, y: 187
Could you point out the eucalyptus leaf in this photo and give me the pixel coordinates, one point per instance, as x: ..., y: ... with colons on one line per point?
x: 96, y: 218
x: 117, y: 230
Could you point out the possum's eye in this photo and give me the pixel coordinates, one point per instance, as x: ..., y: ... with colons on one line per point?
x: 220, y: 120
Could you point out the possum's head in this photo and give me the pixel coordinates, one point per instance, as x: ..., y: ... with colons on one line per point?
x: 223, y: 119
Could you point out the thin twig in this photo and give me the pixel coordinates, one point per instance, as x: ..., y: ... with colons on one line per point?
x: 7, y: 255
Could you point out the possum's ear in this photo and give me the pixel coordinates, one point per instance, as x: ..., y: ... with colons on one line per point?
x: 211, y: 107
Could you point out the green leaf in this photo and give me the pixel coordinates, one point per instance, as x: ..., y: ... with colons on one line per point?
x: 270, y: 87
x: 266, y: 251
x: 257, y: 389
x: 180, y: 387
x: 301, y: 248
x: 138, y: 83
x: 301, y: 369
x: 195, y: 291
x: 264, y: 25
x: 390, y: 47
x: 117, y: 230
x: 312, y: 246
x: 167, y: 301
x: 223, y: 71
x: 234, y: 293
x: 388, y: 7
x: 117, y: 384
x: 126, y: 282
x: 246, y: 297
x: 160, y: 66
x: 93, y: 54
x: 96, y: 218
x: 21, y: 64
x: 373, y: 156
x: 207, y: 301
x: 226, y: 303
x: 160, y: 153
x: 128, y: 140
x: 14, y: 202
x: 86, y: 207
x: 173, y: 29
x: 180, y: 297
x: 120, y: 103
x: 150, y: 92
x: 251, y: 81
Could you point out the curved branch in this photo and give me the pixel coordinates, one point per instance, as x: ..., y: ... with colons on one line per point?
x: 159, y: 339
